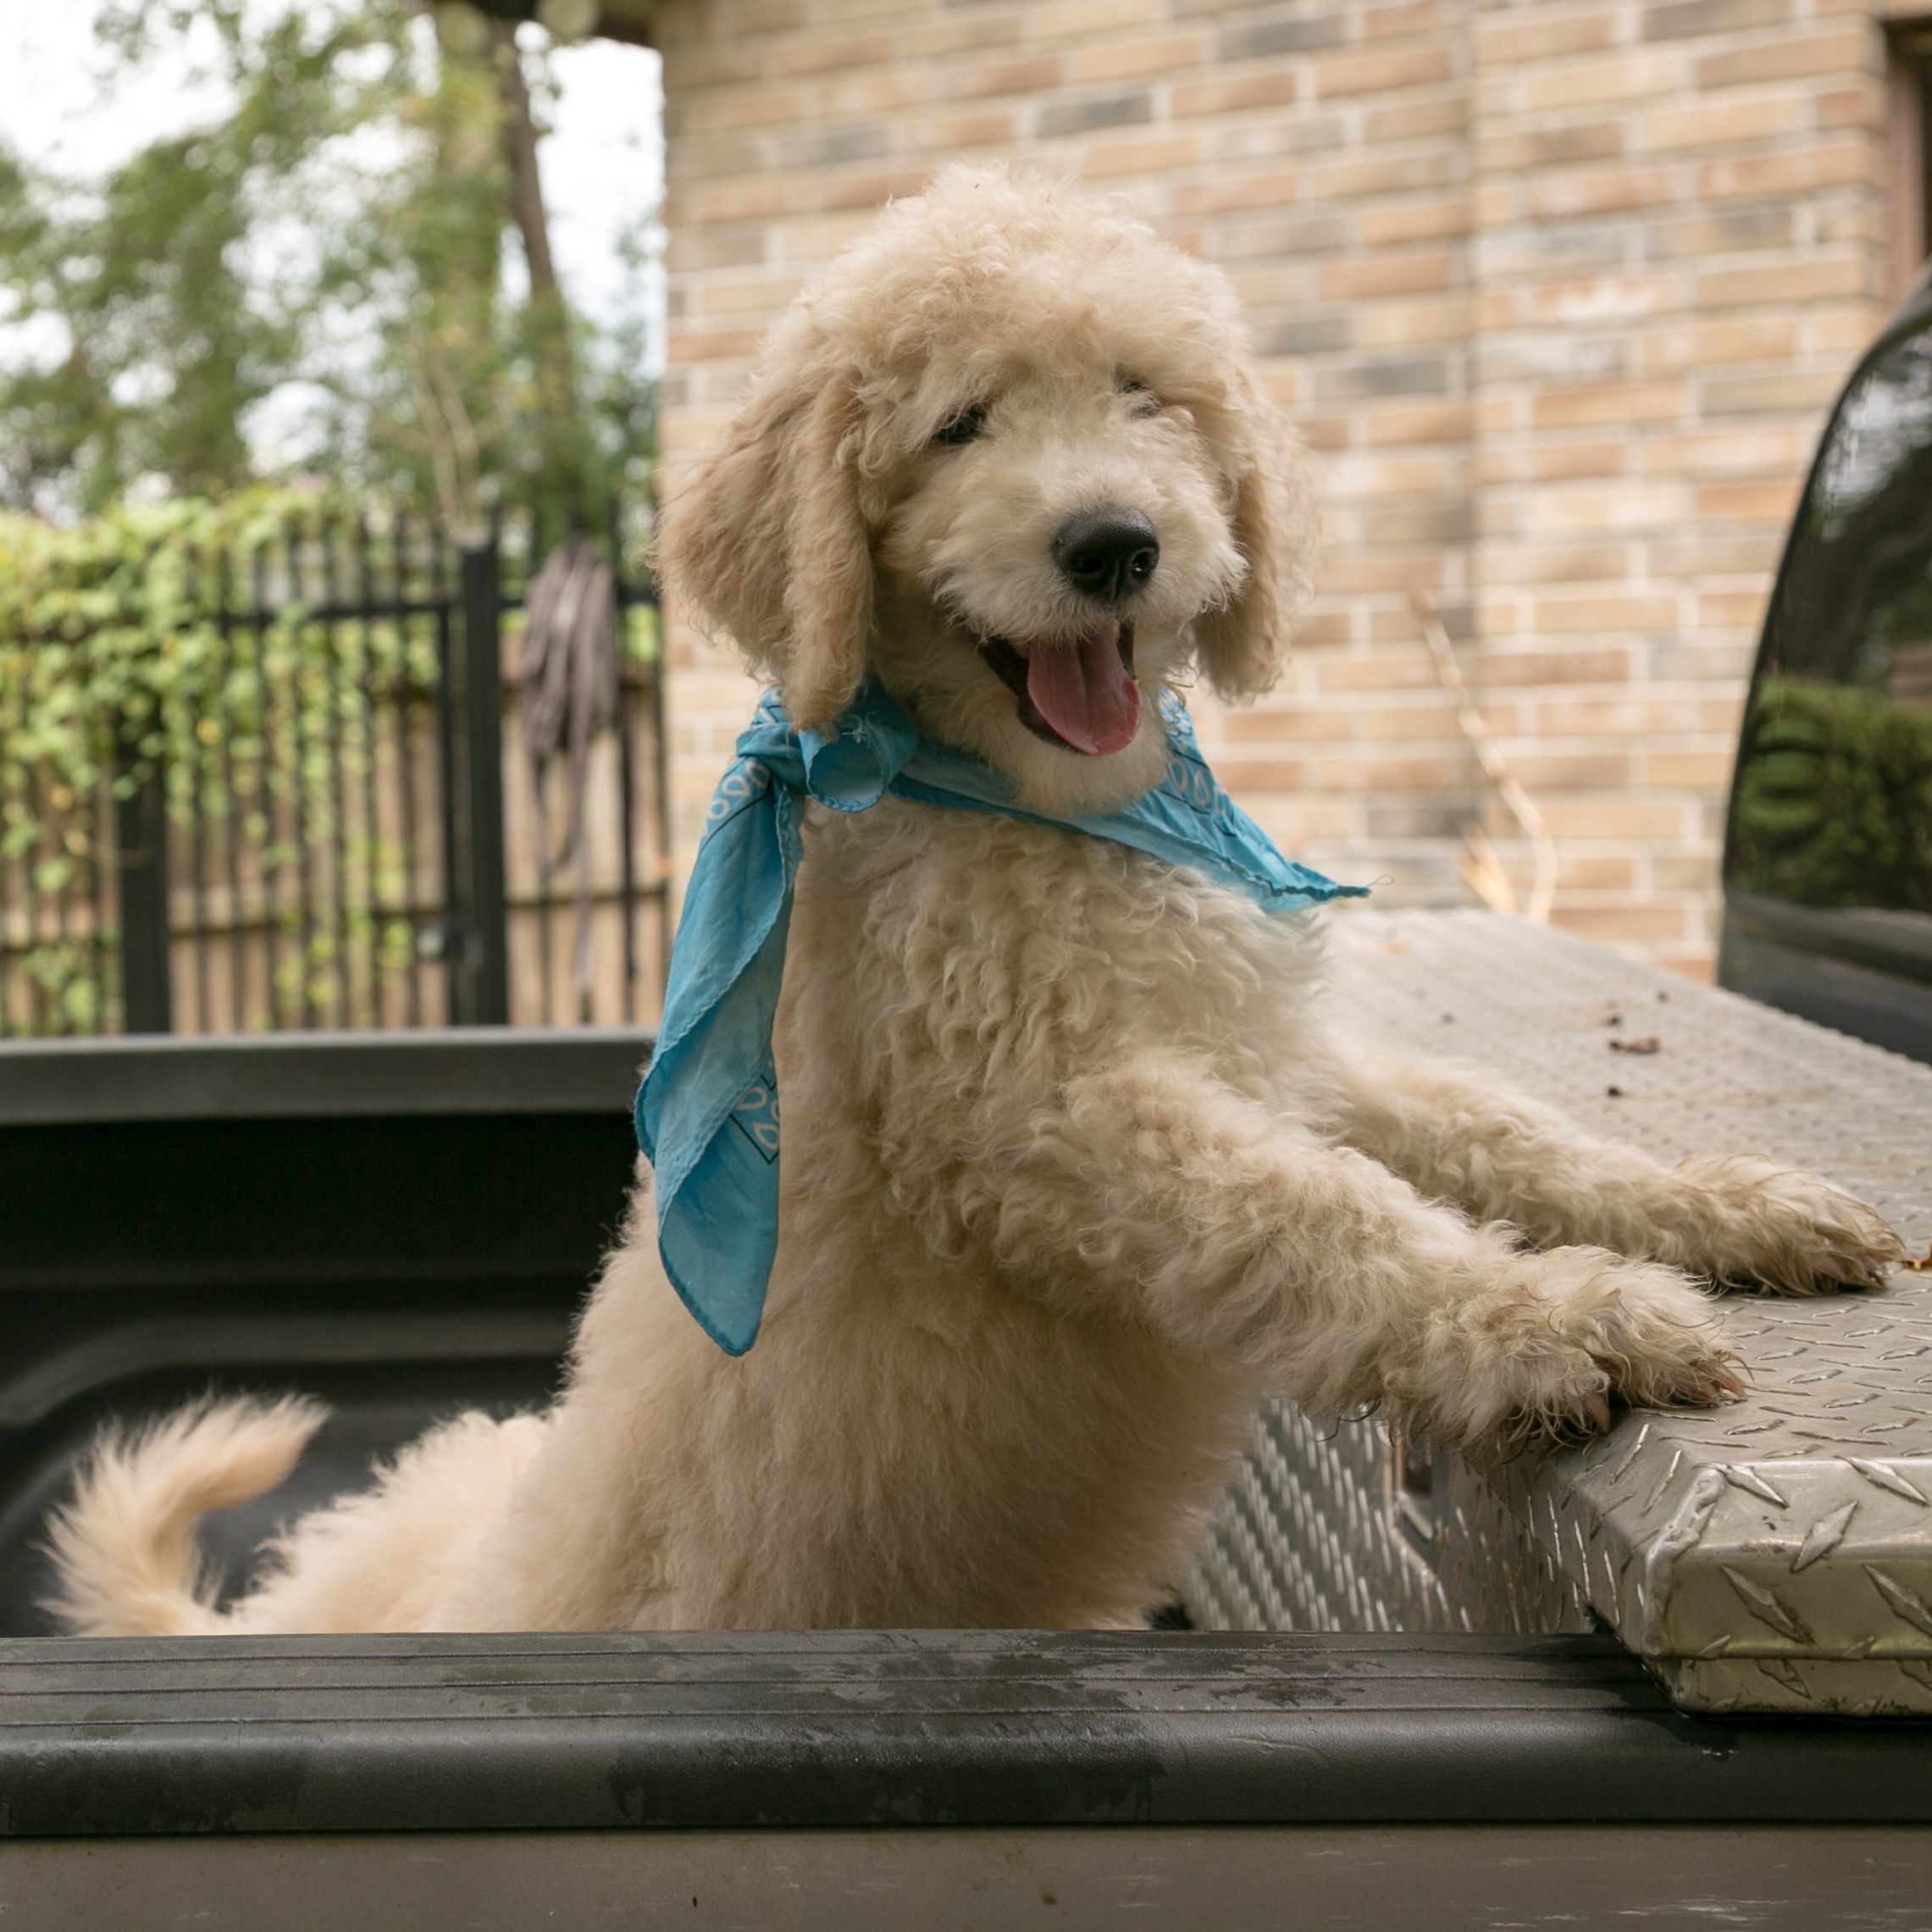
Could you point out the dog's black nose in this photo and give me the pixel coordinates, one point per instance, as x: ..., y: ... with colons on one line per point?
x: 1107, y: 553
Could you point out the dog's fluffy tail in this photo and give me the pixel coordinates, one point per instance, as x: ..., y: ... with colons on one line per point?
x: 124, y: 1547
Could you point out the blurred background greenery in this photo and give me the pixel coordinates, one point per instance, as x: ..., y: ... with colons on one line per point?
x: 359, y: 236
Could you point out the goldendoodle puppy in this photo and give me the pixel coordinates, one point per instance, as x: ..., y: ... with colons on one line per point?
x: 1074, y: 1171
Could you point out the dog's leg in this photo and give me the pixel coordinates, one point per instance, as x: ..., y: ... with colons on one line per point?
x: 1457, y: 1134
x: 1233, y: 1233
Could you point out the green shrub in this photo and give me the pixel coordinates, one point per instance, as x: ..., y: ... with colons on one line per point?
x: 114, y: 662
x: 1833, y: 801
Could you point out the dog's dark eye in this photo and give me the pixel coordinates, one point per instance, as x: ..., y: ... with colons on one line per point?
x: 1140, y: 399
x: 963, y: 427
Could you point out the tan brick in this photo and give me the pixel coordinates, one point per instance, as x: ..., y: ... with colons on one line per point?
x: 1411, y: 671
x: 1716, y: 554
x: 1411, y: 324
x: 1699, y: 965
x: 1545, y: 772
x: 1792, y: 171
x: 1726, y: 452
x: 1848, y: 46
x: 1620, y: 402
x: 1763, y: 502
x: 1427, y: 116
x: 1515, y: 37
x: 1501, y: 149
x: 1387, y: 274
x: 1861, y: 105
x: 1274, y: 188
x: 1558, y: 616
x: 820, y: 53
x: 1631, y: 506
x: 1386, y: 424
x: 1554, y: 563
x: 1393, y: 725
x: 1270, y: 87
x: 690, y: 251
x: 1706, y: 771
x: 1584, y: 872
x: 1388, y: 774
x: 1295, y: 724
x: 713, y: 345
x: 1357, y: 174
x: 1802, y: 280
x: 1343, y: 74
x: 970, y: 30
x: 887, y: 92
x: 1251, y: 775
x: 752, y: 17
x: 1722, y: 123
x: 1685, y: 19
x: 950, y: 134
x: 1841, y: 331
x: 1614, y: 819
x: 988, y: 79
x: 1701, y: 346
x: 1126, y: 56
x: 1685, y: 867
x: 1074, y: 19
x: 1408, y: 18
x: 693, y: 67
x: 1603, y: 190
x: 1633, y: 76
x: 1610, y: 922
x: 1758, y: 394
x: 1154, y: 154
x: 850, y: 13
x: 1431, y: 220
x: 763, y: 296
x: 1491, y: 668
x: 1600, y: 299
x: 723, y: 110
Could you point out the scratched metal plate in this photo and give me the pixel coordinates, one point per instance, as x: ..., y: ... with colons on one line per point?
x: 1776, y: 1555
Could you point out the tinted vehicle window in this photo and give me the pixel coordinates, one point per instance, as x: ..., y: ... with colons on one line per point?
x: 1832, y: 801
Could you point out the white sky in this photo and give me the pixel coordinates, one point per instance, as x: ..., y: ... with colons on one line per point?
x: 602, y: 166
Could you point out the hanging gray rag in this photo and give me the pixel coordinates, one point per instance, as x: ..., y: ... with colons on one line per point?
x: 568, y: 685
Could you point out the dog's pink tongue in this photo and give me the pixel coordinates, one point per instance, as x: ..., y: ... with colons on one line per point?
x: 1085, y: 691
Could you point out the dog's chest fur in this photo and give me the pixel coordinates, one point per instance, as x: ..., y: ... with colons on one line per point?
x: 949, y: 974
x: 968, y: 957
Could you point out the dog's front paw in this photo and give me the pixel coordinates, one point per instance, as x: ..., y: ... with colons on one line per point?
x: 1541, y: 1350
x: 1750, y: 1225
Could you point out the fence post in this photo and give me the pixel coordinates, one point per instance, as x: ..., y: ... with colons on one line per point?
x: 479, y: 974
x: 141, y: 864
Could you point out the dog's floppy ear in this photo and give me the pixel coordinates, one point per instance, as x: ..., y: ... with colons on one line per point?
x: 766, y: 536
x: 1241, y: 646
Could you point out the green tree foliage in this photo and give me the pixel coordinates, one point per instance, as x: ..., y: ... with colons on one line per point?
x: 338, y: 235
x: 1834, y: 802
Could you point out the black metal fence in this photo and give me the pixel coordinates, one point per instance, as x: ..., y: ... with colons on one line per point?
x: 351, y: 830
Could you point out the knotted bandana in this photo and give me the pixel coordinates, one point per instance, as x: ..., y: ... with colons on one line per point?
x: 707, y: 1113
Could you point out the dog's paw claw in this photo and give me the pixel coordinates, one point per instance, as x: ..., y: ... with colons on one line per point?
x: 1765, y: 1230
x: 1544, y: 1351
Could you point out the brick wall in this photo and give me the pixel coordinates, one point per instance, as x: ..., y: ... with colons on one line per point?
x: 1558, y: 292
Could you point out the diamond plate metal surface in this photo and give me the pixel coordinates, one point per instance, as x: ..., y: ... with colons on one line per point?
x: 1776, y: 1555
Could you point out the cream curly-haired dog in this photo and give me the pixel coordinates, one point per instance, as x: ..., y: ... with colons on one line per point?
x: 1074, y: 1171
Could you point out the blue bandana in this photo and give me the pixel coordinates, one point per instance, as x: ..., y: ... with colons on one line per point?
x: 707, y: 1114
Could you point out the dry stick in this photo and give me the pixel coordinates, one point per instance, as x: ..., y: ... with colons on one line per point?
x: 1522, y: 807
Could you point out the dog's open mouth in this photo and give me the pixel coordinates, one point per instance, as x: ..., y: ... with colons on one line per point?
x: 1081, y: 696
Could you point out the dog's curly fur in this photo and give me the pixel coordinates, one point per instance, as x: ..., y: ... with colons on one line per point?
x: 1074, y: 1170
